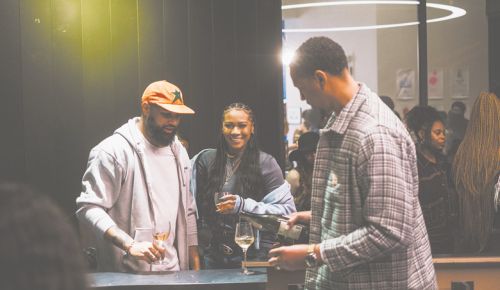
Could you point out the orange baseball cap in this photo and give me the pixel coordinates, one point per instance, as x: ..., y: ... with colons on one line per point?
x: 166, y: 95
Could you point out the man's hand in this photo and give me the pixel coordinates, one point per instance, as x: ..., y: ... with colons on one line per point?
x: 146, y: 251
x: 299, y: 217
x: 289, y: 258
x: 194, y: 258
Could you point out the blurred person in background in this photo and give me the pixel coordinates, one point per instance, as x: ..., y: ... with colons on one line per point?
x: 456, y: 124
x: 300, y: 177
x: 254, y: 183
x: 38, y: 247
x: 304, y: 127
x: 436, y: 194
x: 390, y: 103
x: 476, y: 169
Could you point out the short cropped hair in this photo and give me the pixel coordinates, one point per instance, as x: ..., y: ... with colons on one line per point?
x: 459, y: 105
x: 319, y: 53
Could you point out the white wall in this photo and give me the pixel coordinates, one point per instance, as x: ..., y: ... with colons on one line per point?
x: 460, y: 42
x: 378, y: 54
x: 360, y: 45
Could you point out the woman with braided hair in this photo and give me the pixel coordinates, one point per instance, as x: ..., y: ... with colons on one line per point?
x: 476, y: 170
x: 436, y: 195
x: 254, y: 183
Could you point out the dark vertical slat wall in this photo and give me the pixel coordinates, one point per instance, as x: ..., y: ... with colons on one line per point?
x: 200, y: 69
x: 269, y: 74
x: 72, y: 71
x: 124, y: 55
x: 150, y: 29
x: 12, y: 153
x: 39, y: 97
x: 97, y: 81
x: 67, y: 109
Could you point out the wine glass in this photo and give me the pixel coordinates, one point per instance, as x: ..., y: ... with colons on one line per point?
x: 218, y: 198
x: 160, y: 235
x: 244, y: 238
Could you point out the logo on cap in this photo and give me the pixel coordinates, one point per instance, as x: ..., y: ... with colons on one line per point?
x: 166, y: 95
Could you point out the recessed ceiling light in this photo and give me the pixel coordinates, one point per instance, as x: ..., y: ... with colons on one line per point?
x: 455, y: 12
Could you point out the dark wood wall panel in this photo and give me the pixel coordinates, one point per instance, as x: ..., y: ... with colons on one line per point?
x: 38, y: 93
x: 12, y: 153
x: 151, y: 43
x: 224, y: 52
x: 71, y: 154
x: 176, y: 60
x: 97, y: 80
x: 72, y: 71
x: 124, y: 54
x: 200, y: 73
x: 270, y: 73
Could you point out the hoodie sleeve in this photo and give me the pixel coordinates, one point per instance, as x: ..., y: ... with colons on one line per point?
x: 101, y: 185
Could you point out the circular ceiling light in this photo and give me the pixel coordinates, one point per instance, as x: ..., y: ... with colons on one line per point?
x: 455, y: 12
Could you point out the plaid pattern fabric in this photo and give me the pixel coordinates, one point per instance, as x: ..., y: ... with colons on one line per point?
x: 365, y: 207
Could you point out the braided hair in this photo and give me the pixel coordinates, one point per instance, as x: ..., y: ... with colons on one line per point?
x: 475, y: 170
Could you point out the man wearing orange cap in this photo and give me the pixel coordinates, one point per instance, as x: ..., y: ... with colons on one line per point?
x: 136, y: 184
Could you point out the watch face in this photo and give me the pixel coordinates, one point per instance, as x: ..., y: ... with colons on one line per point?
x: 311, y: 260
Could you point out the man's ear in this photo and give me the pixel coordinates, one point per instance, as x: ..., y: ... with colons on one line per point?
x: 320, y: 76
x: 145, y: 108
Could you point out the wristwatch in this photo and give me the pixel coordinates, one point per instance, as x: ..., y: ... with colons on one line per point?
x: 312, y: 260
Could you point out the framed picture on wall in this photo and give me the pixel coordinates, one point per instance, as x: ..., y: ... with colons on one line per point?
x: 405, y: 84
x: 435, y: 83
x: 459, y: 79
x: 294, y: 115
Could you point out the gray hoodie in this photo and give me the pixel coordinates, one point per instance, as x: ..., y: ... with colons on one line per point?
x: 116, y: 192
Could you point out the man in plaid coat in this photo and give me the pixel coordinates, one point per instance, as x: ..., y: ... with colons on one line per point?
x: 366, y: 225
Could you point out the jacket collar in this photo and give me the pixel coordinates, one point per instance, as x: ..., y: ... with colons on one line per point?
x: 339, y: 123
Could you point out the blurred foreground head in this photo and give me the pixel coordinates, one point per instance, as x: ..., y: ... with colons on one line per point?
x: 38, y: 248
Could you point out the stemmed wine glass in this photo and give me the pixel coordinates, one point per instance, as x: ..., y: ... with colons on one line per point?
x: 244, y: 238
x: 160, y: 235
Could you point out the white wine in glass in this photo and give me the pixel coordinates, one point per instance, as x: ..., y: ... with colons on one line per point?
x: 244, y: 238
x: 160, y: 235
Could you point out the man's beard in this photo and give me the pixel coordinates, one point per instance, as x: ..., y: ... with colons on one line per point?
x: 157, y: 134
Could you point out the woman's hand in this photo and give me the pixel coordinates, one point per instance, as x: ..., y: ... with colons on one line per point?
x: 227, y: 205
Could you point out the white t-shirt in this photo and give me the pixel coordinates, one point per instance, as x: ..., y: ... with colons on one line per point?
x: 163, y: 175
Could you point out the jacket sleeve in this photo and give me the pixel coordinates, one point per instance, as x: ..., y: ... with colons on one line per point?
x: 101, y: 185
x: 278, y: 201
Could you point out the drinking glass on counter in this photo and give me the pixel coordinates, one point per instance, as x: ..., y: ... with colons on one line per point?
x: 244, y: 238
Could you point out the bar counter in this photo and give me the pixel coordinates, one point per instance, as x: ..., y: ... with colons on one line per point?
x: 482, y: 271
x: 204, y: 279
